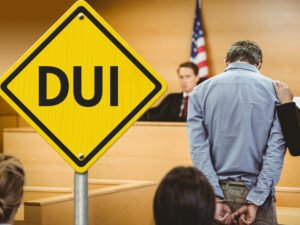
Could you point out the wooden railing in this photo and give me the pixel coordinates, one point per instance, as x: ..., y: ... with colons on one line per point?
x: 145, y: 152
x: 108, y: 204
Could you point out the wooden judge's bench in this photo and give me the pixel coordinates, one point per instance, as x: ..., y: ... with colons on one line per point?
x: 123, y: 181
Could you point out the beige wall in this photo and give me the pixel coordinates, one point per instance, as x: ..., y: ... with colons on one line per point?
x: 161, y: 31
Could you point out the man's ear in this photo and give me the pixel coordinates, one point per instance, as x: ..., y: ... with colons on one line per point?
x: 258, y: 66
x: 226, y: 63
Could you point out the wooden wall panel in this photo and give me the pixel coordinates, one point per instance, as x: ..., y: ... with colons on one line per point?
x: 147, y: 151
x: 131, y: 206
x: 22, y: 122
x: 161, y: 31
x: 5, y: 109
x: 6, y: 121
x: 38, y: 158
x: 8, y: 118
x: 272, y: 24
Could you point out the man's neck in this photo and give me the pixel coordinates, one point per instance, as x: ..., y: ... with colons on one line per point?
x: 243, y: 62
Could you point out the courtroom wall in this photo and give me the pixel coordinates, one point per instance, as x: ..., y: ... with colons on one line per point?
x: 160, y: 31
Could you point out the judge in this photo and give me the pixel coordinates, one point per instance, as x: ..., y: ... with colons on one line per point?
x: 173, y: 107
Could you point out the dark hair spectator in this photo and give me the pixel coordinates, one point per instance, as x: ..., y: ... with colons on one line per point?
x: 12, y: 178
x: 183, y: 197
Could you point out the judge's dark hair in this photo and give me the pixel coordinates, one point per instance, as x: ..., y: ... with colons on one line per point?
x: 183, y: 197
x: 12, y: 178
x: 191, y: 65
x: 244, y: 51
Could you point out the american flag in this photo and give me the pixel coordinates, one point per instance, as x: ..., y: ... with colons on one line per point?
x: 198, y: 53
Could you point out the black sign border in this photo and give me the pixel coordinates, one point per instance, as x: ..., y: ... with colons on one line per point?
x: 98, y: 148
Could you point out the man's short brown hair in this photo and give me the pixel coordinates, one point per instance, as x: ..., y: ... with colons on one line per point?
x: 191, y: 65
x: 244, y: 51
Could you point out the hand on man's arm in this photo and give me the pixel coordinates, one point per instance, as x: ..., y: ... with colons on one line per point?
x: 283, y: 92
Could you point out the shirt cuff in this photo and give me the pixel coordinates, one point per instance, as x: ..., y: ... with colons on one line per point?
x: 218, y: 192
x: 258, y: 196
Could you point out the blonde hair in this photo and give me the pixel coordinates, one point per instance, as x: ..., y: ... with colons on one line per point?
x: 12, y: 179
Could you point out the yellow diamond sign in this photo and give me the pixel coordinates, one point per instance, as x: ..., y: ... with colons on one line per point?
x: 81, y: 86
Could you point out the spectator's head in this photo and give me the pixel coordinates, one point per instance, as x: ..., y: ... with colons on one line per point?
x: 12, y: 178
x: 183, y: 197
x: 245, y: 52
x: 188, y: 76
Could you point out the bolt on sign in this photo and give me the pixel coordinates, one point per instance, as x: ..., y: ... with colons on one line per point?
x: 81, y: 86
